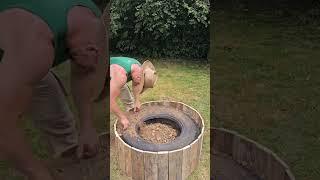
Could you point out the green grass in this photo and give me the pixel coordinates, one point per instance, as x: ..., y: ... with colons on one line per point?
x: 178, y: 80
x: 266, y: 85
x: 34, y: 136
x: 186, y: 82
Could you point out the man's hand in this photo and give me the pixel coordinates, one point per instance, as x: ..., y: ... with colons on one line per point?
x: 137, y: 106
x: 88, y: 143
x: 125, y: 122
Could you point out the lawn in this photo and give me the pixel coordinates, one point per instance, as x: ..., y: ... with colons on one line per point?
x: 179, y: 80
x: 186, y: 82
x: 266, y: 85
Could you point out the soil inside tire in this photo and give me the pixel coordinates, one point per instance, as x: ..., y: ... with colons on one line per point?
x: 158, y: 132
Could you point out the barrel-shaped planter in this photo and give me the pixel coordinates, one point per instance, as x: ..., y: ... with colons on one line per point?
x: 235, y: 157
x: 162, y: 165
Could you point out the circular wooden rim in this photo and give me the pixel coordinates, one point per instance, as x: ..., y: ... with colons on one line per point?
x: 258, y: 146
x: 160, y: 152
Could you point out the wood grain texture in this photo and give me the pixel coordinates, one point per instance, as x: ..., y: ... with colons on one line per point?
x: 128, y: 164
x: 122, y: 160
x: 163, y: 166
x: 194, y: 156
x: 137, y: 161
x: 175, y: 165
x: 186, y: 161
x: 151, y: 167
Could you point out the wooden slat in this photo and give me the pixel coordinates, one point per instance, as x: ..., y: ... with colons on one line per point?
x: 116, y: 150
x: 194, y: 156
x: 122, y: 158
x: 200, y: 148
x: 128, y: 165
x: 151, y: 167
x: 175, y: 165
x: 186, y: 162
x: 137, y: 165
x: 228, y: 146
x: 260, y: 162
x: 218, y: 141
x: 163, y: 163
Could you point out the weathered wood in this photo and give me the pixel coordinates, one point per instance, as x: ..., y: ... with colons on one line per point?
x: 116, y: 145
x: 151, y: 167
x: 201, y: 143
x: 137, y: 165
x: 199, y: 149
x: 128, y: 163
x: 175, y: 165
x: 194, y: 155
x: 186, y: 162
x: 163, y: 163
x: 122, y: 160
x: 254, y: 157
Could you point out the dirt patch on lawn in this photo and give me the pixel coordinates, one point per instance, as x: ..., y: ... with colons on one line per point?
x: 158, y: 132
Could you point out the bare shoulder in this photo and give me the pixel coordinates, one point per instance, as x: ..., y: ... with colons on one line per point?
x: 84, y: 20
x: 23, y: 27
x: 118, y: 75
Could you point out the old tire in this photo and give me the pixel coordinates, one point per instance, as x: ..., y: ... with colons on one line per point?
x: 189, y: 131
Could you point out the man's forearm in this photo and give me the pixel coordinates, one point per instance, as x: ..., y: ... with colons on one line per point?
x: 116, y: 109
x: 82, y: 91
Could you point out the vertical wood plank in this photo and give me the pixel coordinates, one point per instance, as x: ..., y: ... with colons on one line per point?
x: 116, y: 150
x: 175, y: 165
x: 150, y: 166
x: 186, y: 162
x: 201, y: 143
x: 122, y: 160
x: 163, y: 165
x: 228, y: 139
x: 194, y: 156
x: 128, y: 168
x: 137, y: 165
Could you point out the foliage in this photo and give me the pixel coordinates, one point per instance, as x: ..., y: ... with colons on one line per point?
x: 160, y: 28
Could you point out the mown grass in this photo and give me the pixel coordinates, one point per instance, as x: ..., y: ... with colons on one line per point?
x: 179, y: 80
x: 186, y: 82
x: 266, y: 85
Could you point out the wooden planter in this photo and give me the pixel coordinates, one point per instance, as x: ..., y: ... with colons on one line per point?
x: 163, y: 165
x: 250, y: 155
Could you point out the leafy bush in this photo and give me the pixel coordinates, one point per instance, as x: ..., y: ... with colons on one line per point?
x: 160, y: 28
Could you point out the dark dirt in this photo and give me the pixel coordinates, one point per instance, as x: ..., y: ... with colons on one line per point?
x: 158, y: 133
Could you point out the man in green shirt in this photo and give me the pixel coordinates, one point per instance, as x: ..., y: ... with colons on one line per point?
x: 36, y: 36
x: 122, y: 71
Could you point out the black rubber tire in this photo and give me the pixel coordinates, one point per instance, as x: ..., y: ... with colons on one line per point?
x: 189, y: 131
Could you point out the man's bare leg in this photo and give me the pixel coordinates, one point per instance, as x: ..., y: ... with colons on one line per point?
x: 52, y: 115
x: 28, y: 55
x: 126, y: 97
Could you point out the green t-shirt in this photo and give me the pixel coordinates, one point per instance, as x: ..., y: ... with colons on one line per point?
x: 54, y: 13
x: 126, y: 63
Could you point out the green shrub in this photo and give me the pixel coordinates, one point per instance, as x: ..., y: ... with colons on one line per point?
x: 160, y: 28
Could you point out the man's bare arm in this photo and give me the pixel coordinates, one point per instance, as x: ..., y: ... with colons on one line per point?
x: 136, y: 93
x: 28, y: 57
x: 87, y: 42
x: 114, y: 94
